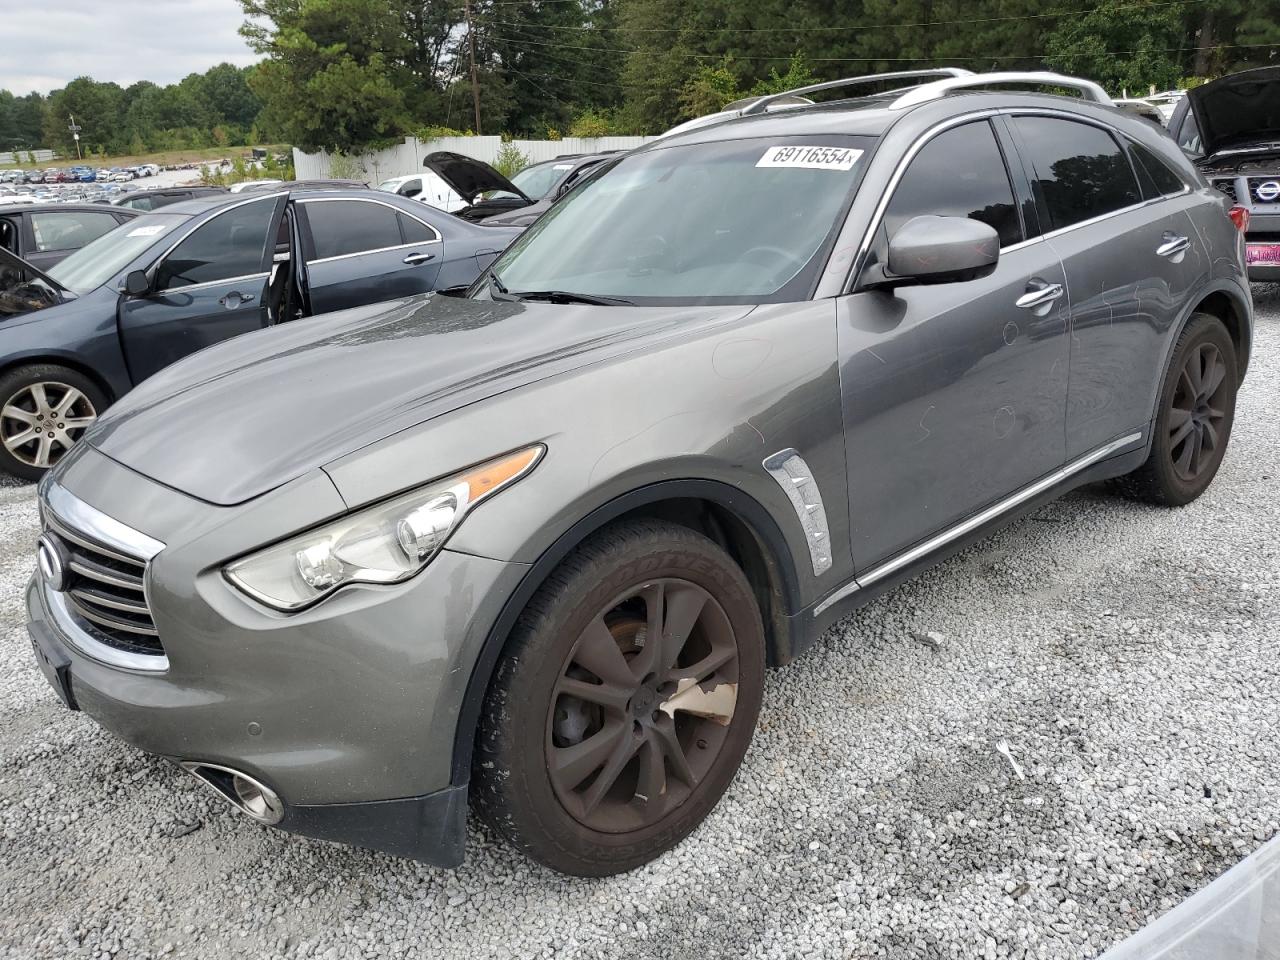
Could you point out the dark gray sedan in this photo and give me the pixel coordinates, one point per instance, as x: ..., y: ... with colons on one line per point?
x: 533, y: 550
x: 76, y: 337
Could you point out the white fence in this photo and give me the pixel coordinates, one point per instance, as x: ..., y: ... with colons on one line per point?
x: 406, y: 158
x: 42, y: 156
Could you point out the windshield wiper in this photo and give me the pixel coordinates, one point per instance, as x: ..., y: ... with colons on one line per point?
x: 566, y: 296
x: 497, y: 289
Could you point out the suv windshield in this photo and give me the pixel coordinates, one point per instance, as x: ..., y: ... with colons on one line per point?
x: 94, y: 264
x: 740, y: 221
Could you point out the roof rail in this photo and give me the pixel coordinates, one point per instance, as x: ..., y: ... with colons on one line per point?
x: 940, y: 88
x: 761, y: 104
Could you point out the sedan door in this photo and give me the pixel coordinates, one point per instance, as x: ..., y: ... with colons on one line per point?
x: 210, y: 287
x: 954, y: 394
x: 361, y: 251
x: 1131, y: 256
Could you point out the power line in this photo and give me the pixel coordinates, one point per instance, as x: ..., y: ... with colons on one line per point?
x: 856, y: 26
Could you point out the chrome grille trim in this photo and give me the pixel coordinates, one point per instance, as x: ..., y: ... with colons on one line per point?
x: 104, y: 607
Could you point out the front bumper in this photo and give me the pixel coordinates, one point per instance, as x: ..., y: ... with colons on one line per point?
x: 348, y: 711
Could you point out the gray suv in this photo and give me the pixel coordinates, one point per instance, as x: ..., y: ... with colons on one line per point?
x: 530, y: 550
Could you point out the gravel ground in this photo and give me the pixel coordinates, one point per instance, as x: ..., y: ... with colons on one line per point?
x: 1124, y: 658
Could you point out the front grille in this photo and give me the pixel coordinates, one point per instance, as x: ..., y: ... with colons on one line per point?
x: 1272, y: 183
x: 1228, y: 187
x: 105, y: 593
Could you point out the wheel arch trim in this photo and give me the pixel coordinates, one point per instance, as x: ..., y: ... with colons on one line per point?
x: 71, y: 362
x: 758, y: 520
x: 1239, y: 301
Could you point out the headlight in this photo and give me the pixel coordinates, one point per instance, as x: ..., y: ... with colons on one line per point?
x: 386, y: 543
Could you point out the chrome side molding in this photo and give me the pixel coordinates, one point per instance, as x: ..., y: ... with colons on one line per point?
x: 940, y: 540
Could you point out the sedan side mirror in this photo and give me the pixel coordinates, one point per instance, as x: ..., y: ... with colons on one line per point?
x: 136, y: 283
x: 941, y: 250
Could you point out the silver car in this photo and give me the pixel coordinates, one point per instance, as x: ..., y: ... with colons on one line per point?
x: 531, y: 549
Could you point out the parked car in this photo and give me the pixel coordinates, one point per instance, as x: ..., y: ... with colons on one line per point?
x: 1231, y: 127
x: 425, y: 188
x: 163, y: 196
x: 44, y: 236
x: 534, y: 548
x: 194, y: 273
x: 493, y: 198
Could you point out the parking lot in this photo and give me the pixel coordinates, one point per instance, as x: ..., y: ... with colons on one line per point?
x: 1127, y: 656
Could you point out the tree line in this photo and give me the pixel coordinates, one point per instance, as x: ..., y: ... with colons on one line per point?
x: 214, y: 108
x: 349, y: 75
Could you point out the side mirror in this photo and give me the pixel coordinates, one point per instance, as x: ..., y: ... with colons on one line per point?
x: 136, y: 284
x: 941, y: 250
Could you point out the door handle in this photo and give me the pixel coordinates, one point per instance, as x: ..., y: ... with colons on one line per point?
x: 1039, y: 294
x: 414, y: 259
x: 1171, y: 245
x: 234, y: 299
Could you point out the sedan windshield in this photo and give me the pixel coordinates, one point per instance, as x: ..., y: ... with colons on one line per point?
x: 742, y: 221
x: 94, y: 264
x: 538, y: 181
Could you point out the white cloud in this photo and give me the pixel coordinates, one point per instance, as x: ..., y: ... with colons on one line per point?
x: 48, y: 44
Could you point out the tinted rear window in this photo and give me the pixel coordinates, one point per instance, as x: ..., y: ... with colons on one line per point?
x: 343, y: 227
x: 1079, y: 171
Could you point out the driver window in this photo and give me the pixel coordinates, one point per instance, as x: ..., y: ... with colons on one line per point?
x: 959, y: 173
x: 232, y: 244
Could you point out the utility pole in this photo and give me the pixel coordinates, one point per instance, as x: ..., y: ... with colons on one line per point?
x: 75, y: 132
x: 475, y: 83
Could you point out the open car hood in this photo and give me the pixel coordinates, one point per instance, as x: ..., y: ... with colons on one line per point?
x: 469, y: 177
x: 10, y: 260
x: 23, y: 295
x: 1238, y: 110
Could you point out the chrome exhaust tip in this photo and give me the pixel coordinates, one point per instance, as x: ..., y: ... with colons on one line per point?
x: 249, y: 796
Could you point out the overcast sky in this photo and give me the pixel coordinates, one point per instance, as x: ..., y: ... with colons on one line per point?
x: 48, y: 43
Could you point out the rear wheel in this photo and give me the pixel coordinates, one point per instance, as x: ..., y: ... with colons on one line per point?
x: 44, y: 409
x: 1193, y: 422
x: 624, y: 702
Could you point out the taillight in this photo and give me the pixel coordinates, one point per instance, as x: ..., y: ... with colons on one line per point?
x: 1240, y: 217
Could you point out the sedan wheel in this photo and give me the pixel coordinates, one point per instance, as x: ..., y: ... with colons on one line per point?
x: 1198, y: 410
x: 43, y: 412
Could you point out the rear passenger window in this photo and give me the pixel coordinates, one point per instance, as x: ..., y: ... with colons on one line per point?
x: 1154, y: 174
x: 1079, y: 171
x: 343, y: 227
x: 415, y: 231
x: 69, y: 231
x: 959, y: 173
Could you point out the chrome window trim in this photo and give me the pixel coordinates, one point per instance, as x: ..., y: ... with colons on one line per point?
x: 438, y: 236
x: 155, y: 266
x: 968, y: 525
x: 211, y: 283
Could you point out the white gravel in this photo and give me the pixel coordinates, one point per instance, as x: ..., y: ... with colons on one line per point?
x: 1127, y: 656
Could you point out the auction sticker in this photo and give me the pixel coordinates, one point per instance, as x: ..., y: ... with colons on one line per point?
x: 804, y: 157
x: 151, y: 231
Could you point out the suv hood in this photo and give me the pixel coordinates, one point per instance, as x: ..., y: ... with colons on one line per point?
x: 469, y: 177
x: 239, y: 419
x: 1239, y: 110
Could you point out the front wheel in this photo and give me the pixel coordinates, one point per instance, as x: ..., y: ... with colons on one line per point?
x: 1193, y: 422
x: 624, y: 701
x: 44, y: 409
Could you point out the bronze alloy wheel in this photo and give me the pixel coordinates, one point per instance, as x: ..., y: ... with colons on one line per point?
x: 642, y: 706
x: 1193, y: 418
x: 1198, y: 410
x: 623, y: 702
